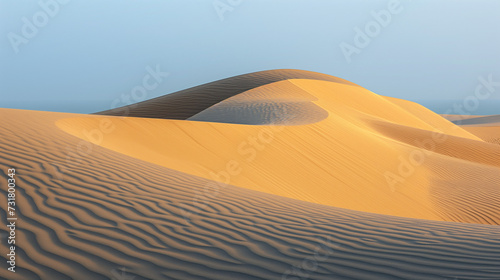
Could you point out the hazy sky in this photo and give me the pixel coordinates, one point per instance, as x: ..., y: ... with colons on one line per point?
x: 83, y: 55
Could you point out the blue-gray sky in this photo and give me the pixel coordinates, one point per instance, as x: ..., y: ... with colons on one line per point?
x: 87, y: 53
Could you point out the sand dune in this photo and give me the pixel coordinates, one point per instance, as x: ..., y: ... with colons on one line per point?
x: 493, y: 120
x: 351, y: 151
x: 308, y: 199
x: 485, y: 127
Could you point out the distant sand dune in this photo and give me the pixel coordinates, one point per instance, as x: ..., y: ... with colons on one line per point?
x: 493, y: 120
x: 484, y: 127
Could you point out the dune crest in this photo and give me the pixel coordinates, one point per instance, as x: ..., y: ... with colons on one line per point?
x: 184, y: 104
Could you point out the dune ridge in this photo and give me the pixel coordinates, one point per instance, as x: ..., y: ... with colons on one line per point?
x: 184, y: 104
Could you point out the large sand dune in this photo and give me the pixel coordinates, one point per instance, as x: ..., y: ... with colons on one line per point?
x: 285, y: 177
x: 332, y: 143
